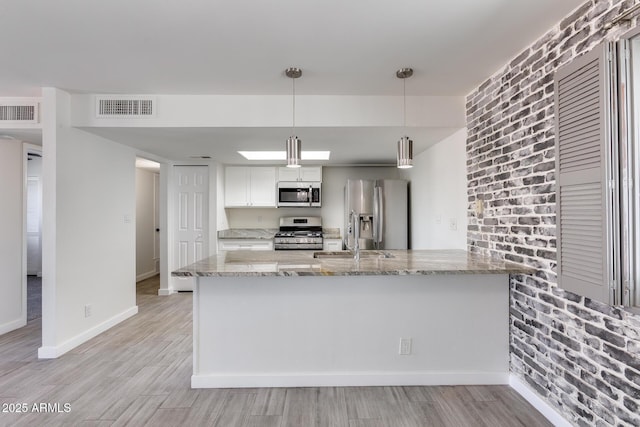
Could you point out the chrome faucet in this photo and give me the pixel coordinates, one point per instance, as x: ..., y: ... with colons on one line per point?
x: 355, y: 218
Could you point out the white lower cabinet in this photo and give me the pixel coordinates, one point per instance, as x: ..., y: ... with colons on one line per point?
x: 332, y: 245
x: 245, y: 245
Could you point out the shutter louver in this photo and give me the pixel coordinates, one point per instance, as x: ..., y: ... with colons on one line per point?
x: 584, y: 130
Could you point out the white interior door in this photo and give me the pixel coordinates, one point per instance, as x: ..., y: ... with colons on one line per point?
x: 192, y: 219
x: 156, y: 220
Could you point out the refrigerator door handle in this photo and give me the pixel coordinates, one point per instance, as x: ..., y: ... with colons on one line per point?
x: 380, y: 207
x: 376, y: 216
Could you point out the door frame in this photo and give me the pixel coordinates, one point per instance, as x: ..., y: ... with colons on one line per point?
x: 26, y: 149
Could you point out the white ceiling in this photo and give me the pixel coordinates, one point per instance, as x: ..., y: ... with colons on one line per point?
x: 242, y: 47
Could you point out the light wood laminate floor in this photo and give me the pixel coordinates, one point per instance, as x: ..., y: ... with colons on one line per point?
x: 138, y: 373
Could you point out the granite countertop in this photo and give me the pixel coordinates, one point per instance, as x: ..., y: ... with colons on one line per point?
x: 302, y: 263
x: 248, y: 233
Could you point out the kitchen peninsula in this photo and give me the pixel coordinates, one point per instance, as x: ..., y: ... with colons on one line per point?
x: 287, y: 319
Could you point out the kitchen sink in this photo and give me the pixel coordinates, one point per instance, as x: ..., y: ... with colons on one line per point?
x: 349, y: 254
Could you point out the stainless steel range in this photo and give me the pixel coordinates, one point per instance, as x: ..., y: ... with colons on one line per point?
x: 299, y: 233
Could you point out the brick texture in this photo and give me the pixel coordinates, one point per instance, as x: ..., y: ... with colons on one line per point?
x: 580, y: 356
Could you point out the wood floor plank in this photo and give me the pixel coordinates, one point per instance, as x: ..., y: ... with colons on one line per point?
x: 453, y: 407
x: 367, y: 423
x: 300, y: 407
x: 269, y: 401
x: 140, y: 411
x: 168, y: 417
x: 496, y: 414
x: 332, y: 407
x: 362, y: 402
x: 206, y: 408
x: 522, y: 410
x: 236, y: 410
x: 139, y: 372
x: 430, y: 413
x: 181, y: 398
x: 483, y: 393
x: 264, y: 421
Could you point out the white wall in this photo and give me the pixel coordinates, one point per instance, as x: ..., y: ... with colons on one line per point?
x: 276, y: 110
x: 89, y: 230
x: 11, y: 243
x: 332, y: 210
x: 145, y: 227
x: 439, y: 195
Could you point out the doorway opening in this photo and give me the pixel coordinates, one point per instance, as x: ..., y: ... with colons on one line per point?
x: 33, y: 233
x: 147, y: 220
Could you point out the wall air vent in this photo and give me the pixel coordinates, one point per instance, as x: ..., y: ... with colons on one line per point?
x: 119, y: 106
x: 18, y: 112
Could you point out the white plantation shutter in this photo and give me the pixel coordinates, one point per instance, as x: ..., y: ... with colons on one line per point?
x: 585, y: 113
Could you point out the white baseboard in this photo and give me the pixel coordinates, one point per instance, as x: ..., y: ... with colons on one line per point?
x: 543, y: 407
x: 338, y: 379
x: 165, y: 292
x: 13, y: 325
x: 146, y: 275
x: 52, y: 352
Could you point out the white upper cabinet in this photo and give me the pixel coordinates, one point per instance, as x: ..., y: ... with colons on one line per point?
x: 262, y: 187
x: 305, y: 174
x: 249, y: 187
x: 288, y: 174
x: 236, y: 186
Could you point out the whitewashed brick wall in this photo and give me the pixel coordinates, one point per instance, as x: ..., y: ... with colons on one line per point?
x: 580, y: 356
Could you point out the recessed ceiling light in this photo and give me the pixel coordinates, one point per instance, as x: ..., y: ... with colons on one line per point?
x: 282, y: 155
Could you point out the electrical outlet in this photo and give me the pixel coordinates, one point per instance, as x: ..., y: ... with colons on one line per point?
x: 453, y: 224
x: 87, y: 310
x: 405, y: 346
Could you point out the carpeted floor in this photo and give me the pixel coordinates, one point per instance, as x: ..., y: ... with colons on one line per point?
x: 34, y: 297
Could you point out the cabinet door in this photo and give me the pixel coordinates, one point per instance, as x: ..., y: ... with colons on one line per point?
x: 288, y: 174
x: 311, y: 174
x: 236, y: 187
x: 263, y: 187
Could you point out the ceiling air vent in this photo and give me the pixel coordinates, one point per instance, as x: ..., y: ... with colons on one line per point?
x: 125, y: 106
x: 18, y: 112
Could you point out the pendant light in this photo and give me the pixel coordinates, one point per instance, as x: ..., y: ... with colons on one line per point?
x: 294, y: 145
x: 405, y: 145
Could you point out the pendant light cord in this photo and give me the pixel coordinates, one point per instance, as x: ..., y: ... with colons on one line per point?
x: 404, y: 104
x: 293, y: 129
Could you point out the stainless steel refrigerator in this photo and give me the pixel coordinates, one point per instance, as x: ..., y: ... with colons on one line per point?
x: 381, y: 207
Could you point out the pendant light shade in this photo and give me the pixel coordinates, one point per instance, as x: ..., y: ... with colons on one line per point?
x: 405, y: 145
x: 405, y: 153
x: 294, y: 145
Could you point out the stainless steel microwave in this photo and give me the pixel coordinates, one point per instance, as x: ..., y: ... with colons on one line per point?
x: 299, y: 194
